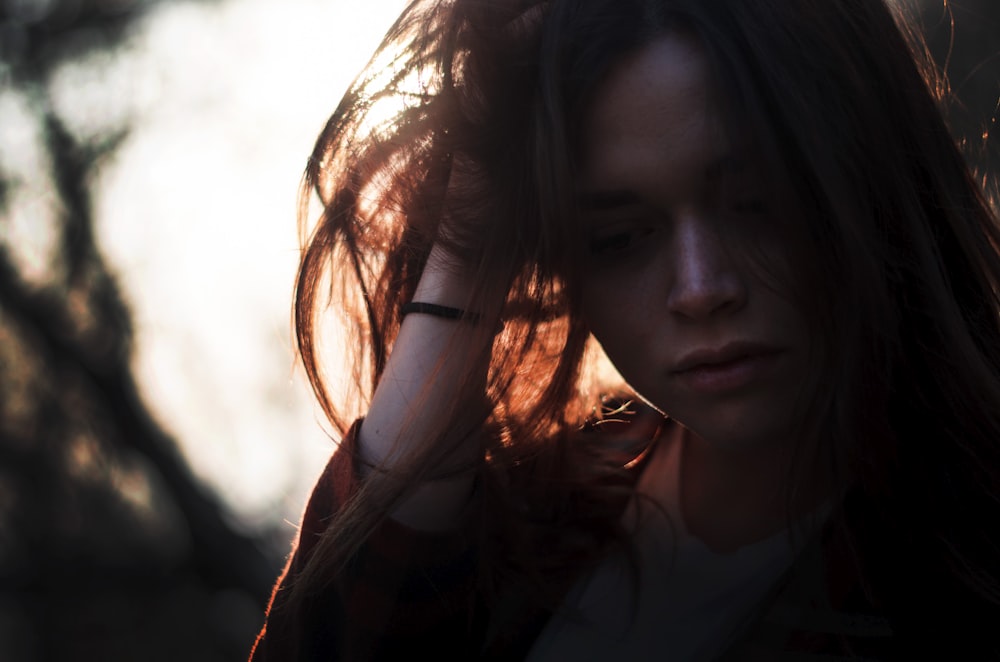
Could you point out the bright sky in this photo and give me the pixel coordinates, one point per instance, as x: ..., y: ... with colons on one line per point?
x: 197, y: 213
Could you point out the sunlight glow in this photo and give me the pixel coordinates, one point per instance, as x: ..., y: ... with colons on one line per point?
x: 196, y: 212
x: 28, y: 229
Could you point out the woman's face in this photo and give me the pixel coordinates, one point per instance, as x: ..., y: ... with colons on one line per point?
x: 678, y: 223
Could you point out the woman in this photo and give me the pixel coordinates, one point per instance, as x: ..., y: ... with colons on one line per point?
x: 755, y: 211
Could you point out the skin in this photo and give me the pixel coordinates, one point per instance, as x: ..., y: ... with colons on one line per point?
x: 419, y: 388
x: 673, y: 292
x: 670, y: 286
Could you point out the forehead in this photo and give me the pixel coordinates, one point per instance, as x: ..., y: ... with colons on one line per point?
x: 654, y: 114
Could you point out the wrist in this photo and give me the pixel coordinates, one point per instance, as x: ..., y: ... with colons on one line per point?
x: 437, y: 310
x: 444, y: 280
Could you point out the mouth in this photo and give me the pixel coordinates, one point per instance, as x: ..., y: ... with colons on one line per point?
x: 726, y: 368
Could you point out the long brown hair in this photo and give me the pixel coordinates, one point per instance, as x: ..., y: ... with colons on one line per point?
x: 469, y: 113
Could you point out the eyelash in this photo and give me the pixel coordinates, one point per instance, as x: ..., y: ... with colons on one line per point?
x: 617, y: 243
x: 624, y: 239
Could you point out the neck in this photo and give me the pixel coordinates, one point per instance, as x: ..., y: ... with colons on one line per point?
x: 734, y: 498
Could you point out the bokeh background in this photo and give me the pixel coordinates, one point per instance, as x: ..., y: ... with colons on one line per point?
x: 157, y: 442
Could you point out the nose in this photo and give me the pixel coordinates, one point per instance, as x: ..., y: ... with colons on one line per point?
x: 706, y: 280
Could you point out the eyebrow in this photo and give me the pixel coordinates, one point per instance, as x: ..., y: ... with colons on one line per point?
x: 735, y: 162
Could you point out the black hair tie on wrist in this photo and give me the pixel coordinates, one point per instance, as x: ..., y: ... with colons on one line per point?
x: 438, y: 310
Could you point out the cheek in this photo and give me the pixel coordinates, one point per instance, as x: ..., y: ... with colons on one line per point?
x: 621, y: 324
x: 603, y: 303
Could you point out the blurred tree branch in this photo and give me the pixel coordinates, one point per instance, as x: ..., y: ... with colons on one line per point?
x: 109, y: 547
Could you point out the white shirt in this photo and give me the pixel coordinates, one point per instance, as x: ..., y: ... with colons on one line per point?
x: 691, y: 600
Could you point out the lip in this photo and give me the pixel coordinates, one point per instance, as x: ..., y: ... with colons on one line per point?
x: 726, y: 368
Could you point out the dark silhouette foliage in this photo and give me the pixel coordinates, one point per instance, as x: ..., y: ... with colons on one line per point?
x: 109, y: 548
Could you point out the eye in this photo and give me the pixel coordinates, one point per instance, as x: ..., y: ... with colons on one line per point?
x: 615, y: 242
x: 755, y: 206
x: 745, y: 193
